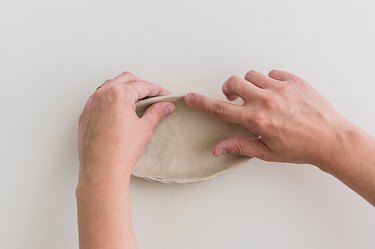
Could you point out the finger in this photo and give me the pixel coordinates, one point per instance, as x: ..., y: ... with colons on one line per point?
x: 125, y: 77
x: 235, y: 87
x: 245, y: 146
x: 258, y: 79
x: 142, y: 89
x: 281, y: 75
x: 217, y: 108
x: 162, y: 91
x: 156, y: 112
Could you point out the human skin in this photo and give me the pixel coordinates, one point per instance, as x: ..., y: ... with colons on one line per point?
x: 295, y: 123
x: 111, y: 139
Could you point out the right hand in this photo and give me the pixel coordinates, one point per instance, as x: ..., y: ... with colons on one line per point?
x: 295, y: 123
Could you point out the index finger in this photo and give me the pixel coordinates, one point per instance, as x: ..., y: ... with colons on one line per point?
x: 217, y: 108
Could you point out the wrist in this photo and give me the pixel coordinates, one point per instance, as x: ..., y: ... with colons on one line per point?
x: 86, y: 191
x: 339, y: 148
x: 96, y: 172
x: 104, y: 185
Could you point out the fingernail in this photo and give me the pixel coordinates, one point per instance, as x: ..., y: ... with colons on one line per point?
x: 168, y: 109
x: 232, y: 97
x: 189, y: 98
x: 221, y: 152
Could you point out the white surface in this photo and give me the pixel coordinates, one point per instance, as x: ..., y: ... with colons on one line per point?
x: 53, y: 54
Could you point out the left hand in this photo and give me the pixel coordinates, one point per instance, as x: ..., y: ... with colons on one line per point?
x: 111, y: 135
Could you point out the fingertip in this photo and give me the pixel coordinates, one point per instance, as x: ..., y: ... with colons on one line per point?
x: 273, y: 71
x: 219, y: 150
x: 169, y: 108
x: 231, y: 97
x: 280, y: 75
x: 158, y: 111
x: 189, y: 98
x: 233, y: 88
x: 163, y: 109
x: 250, y: 73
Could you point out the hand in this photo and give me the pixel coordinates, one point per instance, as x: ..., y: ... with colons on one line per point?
x: 111, y: 135
x: 111, y: 139
x: 294, y: 122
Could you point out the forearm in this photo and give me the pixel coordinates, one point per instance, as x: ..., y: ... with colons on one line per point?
x: 111, y: 138
x: 353, y: 162
x: 104, y: 217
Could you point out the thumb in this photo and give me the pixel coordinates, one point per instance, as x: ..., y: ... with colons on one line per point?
x: 156, y: 112
x: 244, y: 146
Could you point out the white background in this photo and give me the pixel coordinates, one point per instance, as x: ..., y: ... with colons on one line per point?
x: 53, y: 54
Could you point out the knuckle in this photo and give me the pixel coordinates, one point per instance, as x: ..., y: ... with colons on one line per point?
x: 238, y: 149
x: 128, y: 77
x: 270, y: 102
x: 283, y: 88
x: 106, y: 82
x: 117, y: 93
x: 155, y: 89
x: 117, y: 89
x: 295, y: 79
x: 217, y: 109
x: 260, y: 120
x: 243, y: 117
x: 158, y: 111
x: 297, y: 83
x: 126, y: 73
x: 198, y: 101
